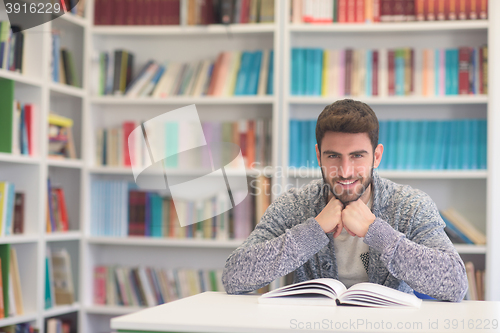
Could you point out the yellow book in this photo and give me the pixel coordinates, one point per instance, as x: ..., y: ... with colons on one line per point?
x: 3, y: 199
x: 16, y: 282
x: 324, y: 83
x: 58, y: 120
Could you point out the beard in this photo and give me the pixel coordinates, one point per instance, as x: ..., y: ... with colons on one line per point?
x: 351, y: 194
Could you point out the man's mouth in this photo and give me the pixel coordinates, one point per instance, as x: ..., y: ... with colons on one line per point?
x: 347, y: 183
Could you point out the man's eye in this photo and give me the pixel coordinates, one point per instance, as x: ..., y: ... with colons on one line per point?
x: 358, y: 156
x: 332, y: 156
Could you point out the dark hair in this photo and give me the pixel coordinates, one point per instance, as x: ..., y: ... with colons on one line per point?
x: 347, y: 116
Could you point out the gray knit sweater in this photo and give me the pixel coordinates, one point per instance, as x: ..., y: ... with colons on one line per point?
x: 409, y: 249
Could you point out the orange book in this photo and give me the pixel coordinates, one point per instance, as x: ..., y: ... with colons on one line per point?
x: 223, y: 73
x: 2, y: 307
x: 251, y: 143
x: 215, y: 72
x: 173, y: 220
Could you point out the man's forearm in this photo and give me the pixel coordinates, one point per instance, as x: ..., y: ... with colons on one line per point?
x: 258, y: 262
x: 436, y: 273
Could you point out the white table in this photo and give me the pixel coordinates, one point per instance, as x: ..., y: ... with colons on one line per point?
x: 220, y: 312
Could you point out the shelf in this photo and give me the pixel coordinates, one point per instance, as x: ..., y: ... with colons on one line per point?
x: 61, y: 309
x: 403, y: 174
x: 392, y: 26
x: 74, y: 19
x: 24, y: 159
x: 112, y: 310
x: 18, y: 239
x: 20, y: 78
x: 212, y: 29
x: 17, y: 319
x: 167, y: 242
x: 63, y: 236
x: 394, y: 100
x: 470, y: 249
x: 268, y: 171
x: 175, y: 100
x: 64, y: 163
x: 66, y: 90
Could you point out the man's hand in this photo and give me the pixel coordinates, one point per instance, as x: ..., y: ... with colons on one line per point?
x: 357, y: 218
x: 330, y: 218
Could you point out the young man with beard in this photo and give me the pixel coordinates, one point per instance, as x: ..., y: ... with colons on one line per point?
x: 351, y: 225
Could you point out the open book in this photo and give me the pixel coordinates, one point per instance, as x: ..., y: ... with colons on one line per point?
x: 326, y: 291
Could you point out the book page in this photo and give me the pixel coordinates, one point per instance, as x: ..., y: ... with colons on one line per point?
x: 322, y: 286
x: 371, y: 294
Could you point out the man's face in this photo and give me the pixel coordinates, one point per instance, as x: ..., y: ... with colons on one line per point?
x: 347, y: 161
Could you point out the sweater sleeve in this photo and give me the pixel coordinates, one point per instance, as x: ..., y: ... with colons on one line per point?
x: 282, y: 241
x: 426, y: 260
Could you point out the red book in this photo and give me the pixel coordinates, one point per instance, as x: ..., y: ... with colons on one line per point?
x: 483, y: 9
x: 463, y: 70
x: 107, y: 12
x: 386, y: 10
x: 245, y: 10
x: 98, y: 12
x: 18, y: 223
x: 360, y: 11
x: 441, y: 10
x: 28, y: 114
x: 351, y: 11
x: 410, y: 10
x: 128, y: 146
x: 376, y: 10
x: 147, y: 13
x: 430, y: 10
x: 174, y: 13
x: 215, y: 72
x: 398, y: 10
x: 481, y: 68
x: 100, y: 275
x: 251, y: 143
x: 375, y: 73
x: 420, y: 10
x: 139, y: 12
x: 119, y: 9
x: 473, y: 10
x: 130, y: 12
x: 451, y: 9
x: 62, y: 209
x: 412, y: 71
x: 348, y: 72
x: 137, y: 213
x: 391, y: 72
x: 342, y: 11
x: 462, y: 9
x: 155, y: 7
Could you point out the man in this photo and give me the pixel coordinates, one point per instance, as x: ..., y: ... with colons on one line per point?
x: 351, y: 225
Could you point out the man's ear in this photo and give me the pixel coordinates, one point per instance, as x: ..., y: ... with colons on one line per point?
x: 379, y: 151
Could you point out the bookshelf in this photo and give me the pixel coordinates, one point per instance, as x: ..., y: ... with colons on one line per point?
x: 470, y: 191
x: 29, y: 173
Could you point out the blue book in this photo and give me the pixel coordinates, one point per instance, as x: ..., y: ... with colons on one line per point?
x: 253, y: 76
x: 422, y: 145
x: 454, y: 128
x: 304, y: 142
x: 156, y: 218
x: 465, y: 143
x: 443, y: 145
x: 448, y: 72
x: 437, y: 71
x: 294, y: 84
x: 402, y: 144
x: 393, y: 144
x: 51, y: 212
x: 309, y: 72
x: 10, y: 208
x: 270, y: 75
x: 147, y: 215
x: 382, y: 139
x: 241, y: 78
x: 313, y: 160
x: 475, y: 72
x: 293, y: 149
x: 454, y: 229
x: 301, y: 71
x: 474, y: 144
x: 412, y: 144
x: 318, y: 72
x: 400, y: 72
x: 369, y: 73
x: 437, y: 150
x: 24, y: 133
x: 430, y: 144
x: 454, y: 71
x: 483, y: 130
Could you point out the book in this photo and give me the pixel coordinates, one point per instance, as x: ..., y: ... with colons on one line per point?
x: 62, y: 277
x: 331, y: 292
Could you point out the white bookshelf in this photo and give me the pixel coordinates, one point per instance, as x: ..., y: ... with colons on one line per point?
x: 36, y: 86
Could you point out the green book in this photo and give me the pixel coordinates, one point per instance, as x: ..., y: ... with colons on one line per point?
x: 6, y: 114
x: 75, y: 80
x: 5, y: 259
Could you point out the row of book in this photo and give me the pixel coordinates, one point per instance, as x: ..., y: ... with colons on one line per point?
x: 11, y: 210
x: 476, y: 282
x: 11, y: 293
x: 460, y: 230
x: 57, y: 211
x: 59, y: 288
x: 389, y: 72
x: 150, y: 286
x: 17, y: 122
x: 11, y: 47
x: 368, y: 11
x: 232, y: 73
x: 63, y: 63
x: 189, y: 12
x: 120, y: 210
x: 58, y: 325
x: 20, y: 328
x: 408, y: 144
x: 252, y: 136
x: 61, y: 141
